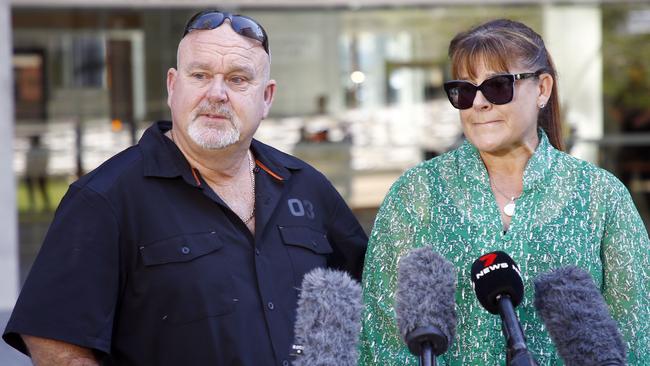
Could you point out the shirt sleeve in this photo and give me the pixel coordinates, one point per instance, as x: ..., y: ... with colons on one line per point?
x: 348, y: 239
x: 72, y: 288
x: 395, y: 232
x: 625, y: 253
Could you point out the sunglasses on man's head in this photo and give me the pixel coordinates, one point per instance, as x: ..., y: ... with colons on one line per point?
x: 242, y: 25
x: 498, y: 89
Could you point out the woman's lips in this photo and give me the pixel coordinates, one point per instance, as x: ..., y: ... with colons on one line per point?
x: 488, y: 122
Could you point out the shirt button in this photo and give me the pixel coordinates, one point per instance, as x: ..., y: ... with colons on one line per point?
x: 185, y: 249
x: 285, y: 363
x: 270, y: 306
x: 257, y: 251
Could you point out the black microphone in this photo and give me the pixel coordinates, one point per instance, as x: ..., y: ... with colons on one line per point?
x: 328, y: 319
x: 577, y: 318
x: 425, y: 303
x: 499, y: 288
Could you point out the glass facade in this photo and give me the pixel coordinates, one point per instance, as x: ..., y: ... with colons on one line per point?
x: 359, y: 93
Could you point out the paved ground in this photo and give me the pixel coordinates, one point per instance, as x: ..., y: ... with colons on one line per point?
x: 8, y: 355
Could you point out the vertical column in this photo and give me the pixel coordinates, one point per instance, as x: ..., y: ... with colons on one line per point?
x: 8, y: 216
x: 573, y: 35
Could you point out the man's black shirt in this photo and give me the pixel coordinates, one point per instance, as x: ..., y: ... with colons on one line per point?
x: 145, y: 264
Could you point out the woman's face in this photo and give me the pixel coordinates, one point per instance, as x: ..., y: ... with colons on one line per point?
x: 500, y: 129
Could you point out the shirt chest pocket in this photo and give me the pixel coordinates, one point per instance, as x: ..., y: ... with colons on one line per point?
x: 307, y: 248
x: 183, y: 248
x: 187, y: 278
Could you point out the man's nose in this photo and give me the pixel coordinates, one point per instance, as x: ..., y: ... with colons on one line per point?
x: 217, y: 89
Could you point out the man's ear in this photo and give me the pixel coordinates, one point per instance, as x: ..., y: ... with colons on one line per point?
x: 269, y: 94
x: 172, y: 73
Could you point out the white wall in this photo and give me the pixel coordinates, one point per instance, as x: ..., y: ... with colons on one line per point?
x: 573, y: 35
x: 8, y: 223
x: 302, y: 42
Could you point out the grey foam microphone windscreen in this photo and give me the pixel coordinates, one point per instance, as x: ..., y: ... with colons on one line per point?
x: 577, y: 318
x: 425, y: 296
x: 328, y: 319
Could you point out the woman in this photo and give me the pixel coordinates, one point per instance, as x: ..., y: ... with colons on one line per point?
x: 508, y: 187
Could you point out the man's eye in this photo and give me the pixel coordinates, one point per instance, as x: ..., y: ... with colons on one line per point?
x: 199, y: 76
x: 237, y: 80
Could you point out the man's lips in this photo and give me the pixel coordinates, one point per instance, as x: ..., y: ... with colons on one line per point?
x: 214, y: 116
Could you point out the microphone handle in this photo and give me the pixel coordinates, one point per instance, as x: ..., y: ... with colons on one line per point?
x: 426, y: 342
x: 518, y: 354
x: 427, y: 358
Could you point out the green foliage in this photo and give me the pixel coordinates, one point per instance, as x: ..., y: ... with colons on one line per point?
x: 626, y: 66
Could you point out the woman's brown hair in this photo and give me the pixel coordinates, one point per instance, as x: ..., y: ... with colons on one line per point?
x: 501, y: 44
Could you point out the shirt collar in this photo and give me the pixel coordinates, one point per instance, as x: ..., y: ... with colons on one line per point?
x: 539, y: 165
x: 275, y: 163
x: 470, y: 164
x: 472, y: 168
x: 162, y: 158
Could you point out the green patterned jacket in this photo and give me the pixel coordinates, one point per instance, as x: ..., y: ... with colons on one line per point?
x: 570, y: 213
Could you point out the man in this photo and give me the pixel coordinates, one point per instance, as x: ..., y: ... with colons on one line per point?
x: 188, y: 248
x: 36, y: 159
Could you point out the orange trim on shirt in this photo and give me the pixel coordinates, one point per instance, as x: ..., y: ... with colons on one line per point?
x: 196, y: 177
x: 266, y: 169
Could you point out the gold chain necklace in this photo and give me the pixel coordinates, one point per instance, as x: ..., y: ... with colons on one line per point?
x: 509, y: 208
x: 251, y: 168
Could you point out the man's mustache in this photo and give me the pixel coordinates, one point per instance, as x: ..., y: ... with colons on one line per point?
x: 214, y: 108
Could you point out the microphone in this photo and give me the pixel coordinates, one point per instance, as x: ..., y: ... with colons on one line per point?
x: 328, y: 319
x: 577, y: 318
x: 497, y: 282
x: 425, y: 303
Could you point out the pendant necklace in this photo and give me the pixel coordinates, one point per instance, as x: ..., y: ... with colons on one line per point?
x: 509, y: 208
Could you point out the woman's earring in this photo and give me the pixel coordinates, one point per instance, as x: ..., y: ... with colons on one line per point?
x: 541, y: 105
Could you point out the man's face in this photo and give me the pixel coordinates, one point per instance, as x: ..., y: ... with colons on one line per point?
x: 221, y: 89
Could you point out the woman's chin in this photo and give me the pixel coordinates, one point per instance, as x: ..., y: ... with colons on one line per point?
x: 487, y: 145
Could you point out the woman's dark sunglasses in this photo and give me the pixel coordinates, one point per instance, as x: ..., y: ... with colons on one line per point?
x: 498, y: 89
x: 245, y: 26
